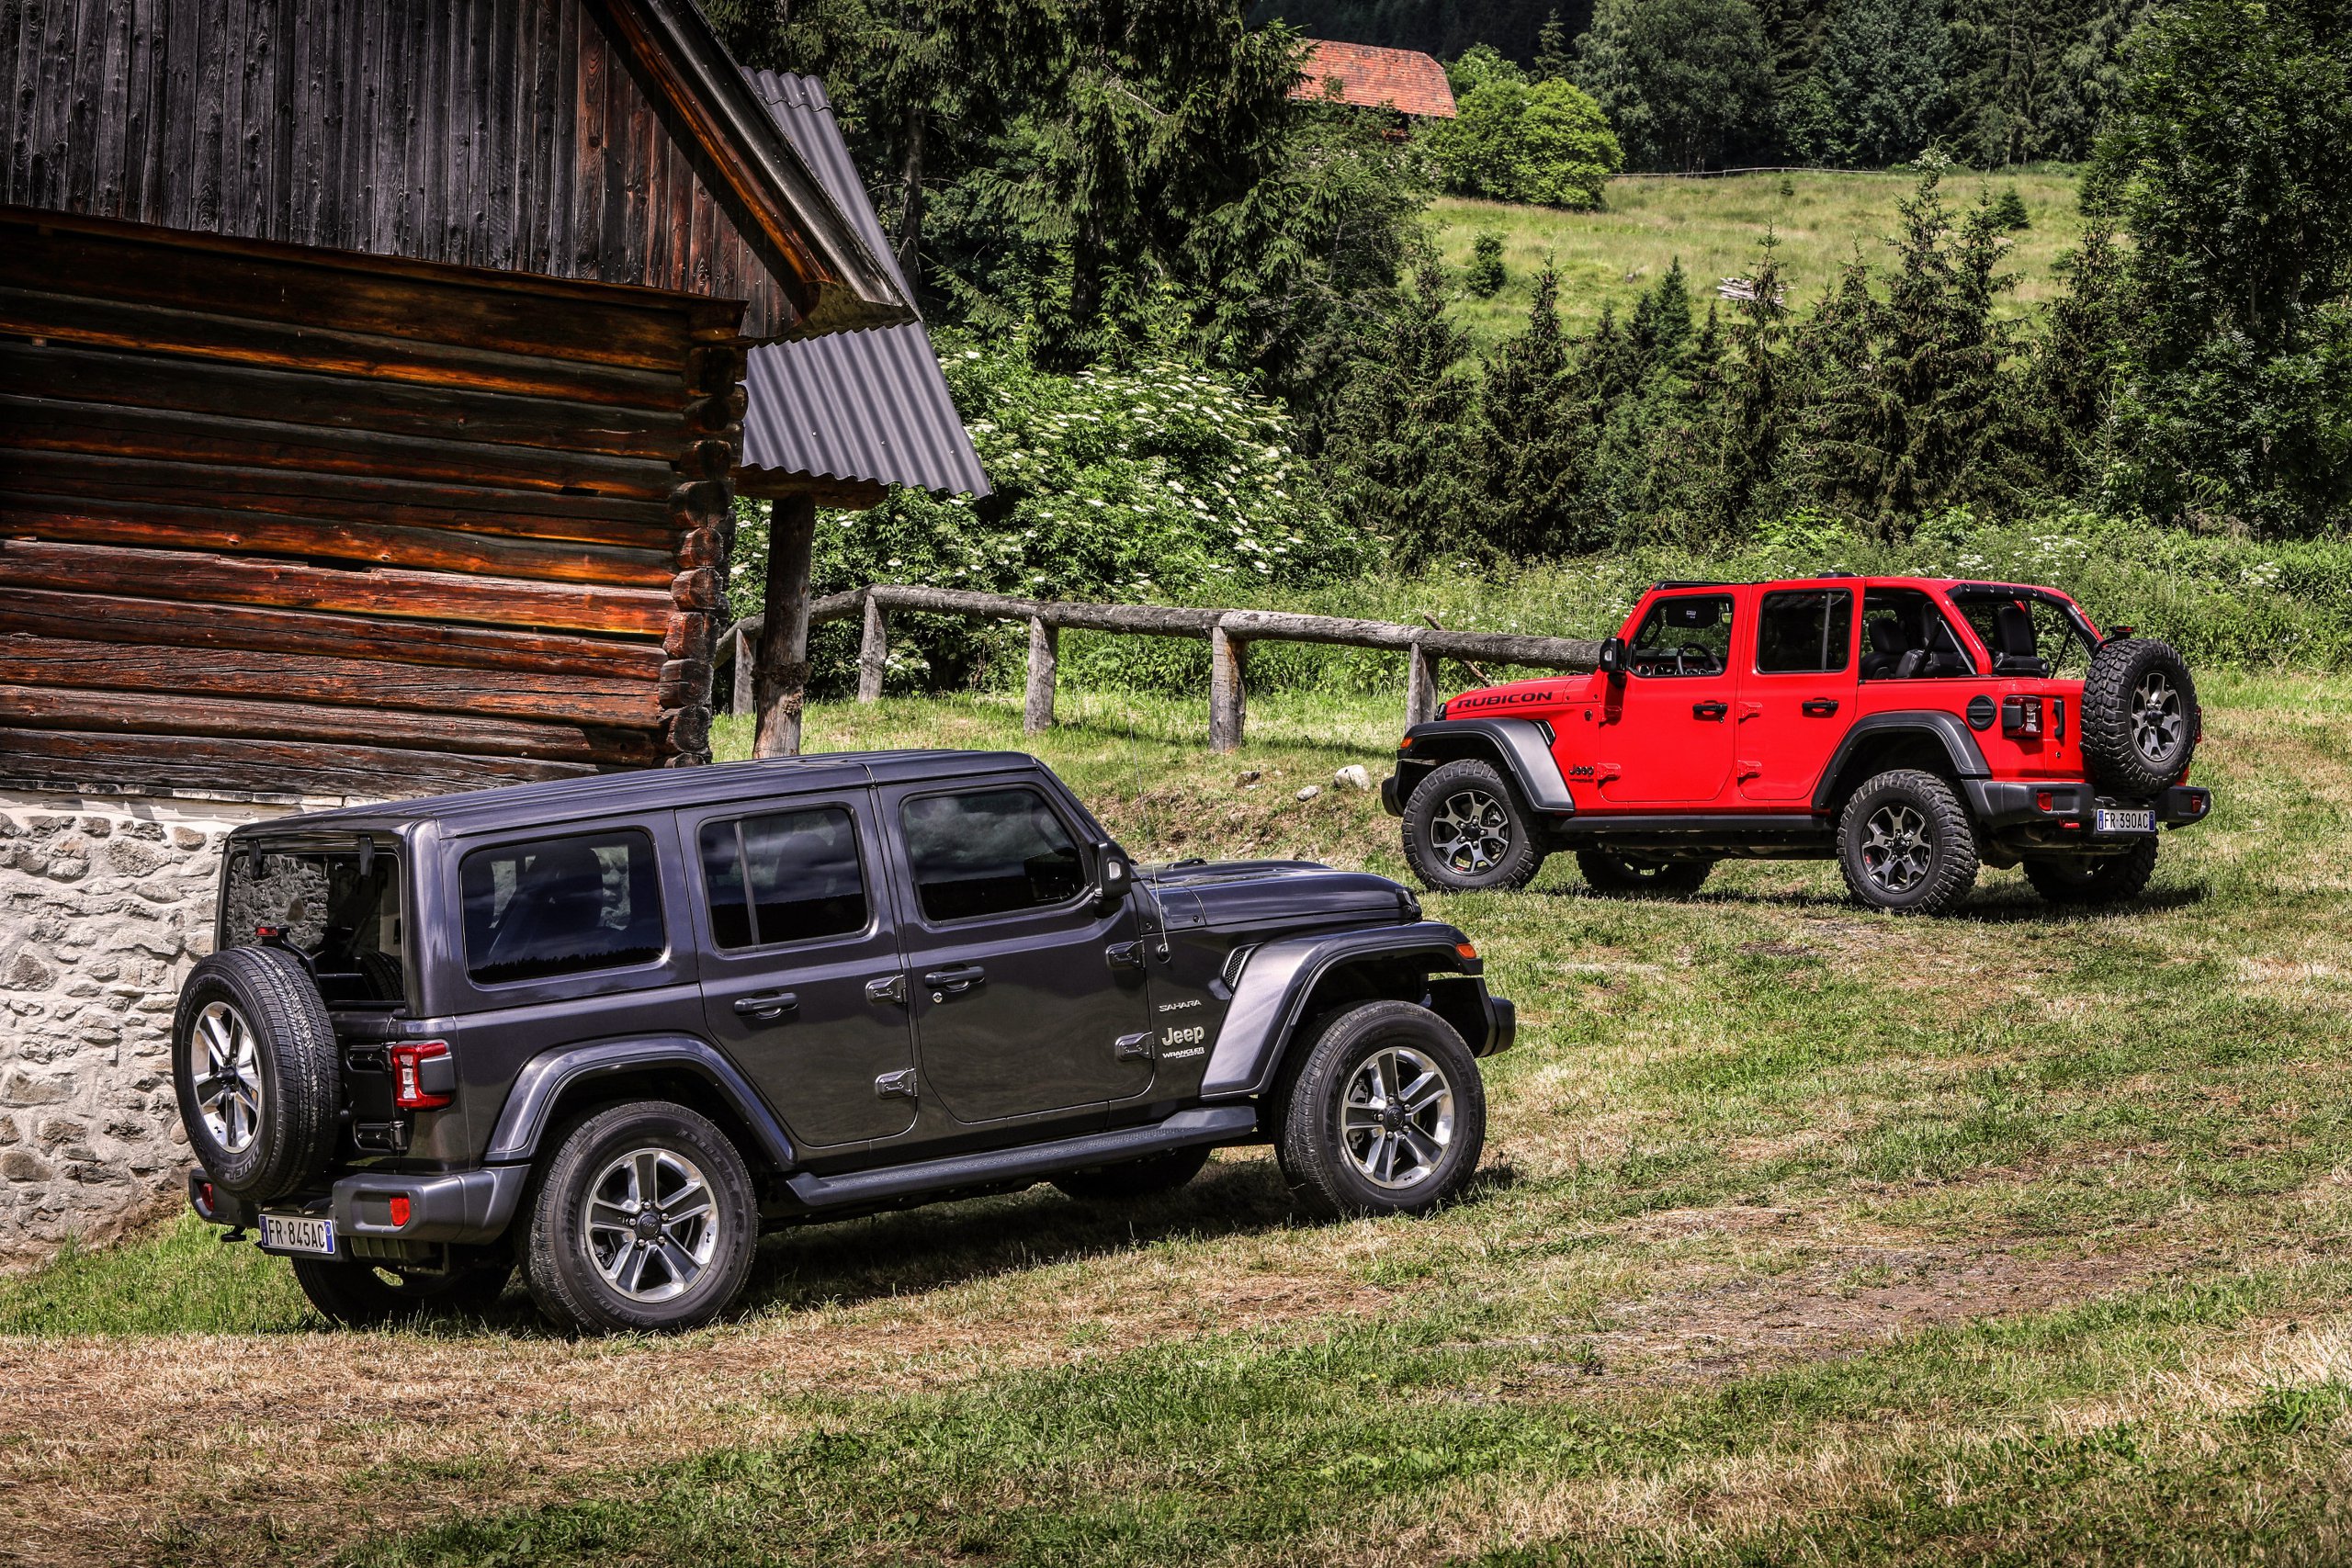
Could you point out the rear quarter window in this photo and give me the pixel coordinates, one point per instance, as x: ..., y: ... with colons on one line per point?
x: 562, y: 906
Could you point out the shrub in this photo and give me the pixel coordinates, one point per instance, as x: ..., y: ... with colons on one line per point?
x: 1546, y: 142
x: 2008, y: 213
x: 1484, y: 277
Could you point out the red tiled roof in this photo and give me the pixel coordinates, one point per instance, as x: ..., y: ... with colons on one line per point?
x: 1407, y: 79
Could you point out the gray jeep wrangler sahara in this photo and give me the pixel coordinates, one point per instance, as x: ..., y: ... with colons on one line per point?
x: 609, y: 1029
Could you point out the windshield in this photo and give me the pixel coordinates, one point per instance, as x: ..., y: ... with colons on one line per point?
x: 344, y: 917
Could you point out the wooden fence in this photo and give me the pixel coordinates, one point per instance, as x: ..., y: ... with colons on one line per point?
x: 1229, y: 634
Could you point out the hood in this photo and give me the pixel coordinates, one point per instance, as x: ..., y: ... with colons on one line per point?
x: 1276, y: 892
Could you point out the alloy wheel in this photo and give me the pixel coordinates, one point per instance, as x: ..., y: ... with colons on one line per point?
x: 1897, y: 848
x: 1471, y: 832
x: 227, y: 1079
x: 2157, y: 718
x: 651, y: 1227
x: 1396, y: 1118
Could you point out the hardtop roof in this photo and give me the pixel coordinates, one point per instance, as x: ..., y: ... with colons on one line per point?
x: 551, y: 803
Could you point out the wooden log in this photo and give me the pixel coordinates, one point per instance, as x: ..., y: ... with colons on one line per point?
x: 113, y: 620
x: 1228, y: 694
x: 1045, y: 655
x: 250, y: 765
x: 1509, y: 647
x: 1150, y: 620
x: 264, y: 533
x: 177, y: 574
x: 177, y: 713
x: 873, y: 653
x: 780, y: 679
x: 27, y: 660
x: 1420, y: 685
x: 743, y: 701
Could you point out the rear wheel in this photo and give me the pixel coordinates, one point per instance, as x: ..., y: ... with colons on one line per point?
x: 643, y: 1220
x: 1906, y: 845
x: 1136, y: 1180
x: 358, y: 1295
x: 1610, y: 873
x: 1386, y: 1116
x: 1466, y: 832
x: 2094, y: 879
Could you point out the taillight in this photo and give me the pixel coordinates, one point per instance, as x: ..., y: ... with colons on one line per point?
x: 2022, y: 717
x: 399, y: 1207
x: 424, y: 1077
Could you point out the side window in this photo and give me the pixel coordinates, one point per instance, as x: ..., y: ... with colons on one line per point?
x: 1905, y: 637
x: 1807, y: 631
x: 1687, y: 635
x: 988, y: 852
x: 562, y: 906
x: 790, y: 876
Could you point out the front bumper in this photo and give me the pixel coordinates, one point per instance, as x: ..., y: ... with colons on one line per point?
x: 452, y: 1206
x: 1391, y: 799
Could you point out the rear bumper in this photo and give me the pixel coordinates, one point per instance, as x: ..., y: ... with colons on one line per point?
x: 2058, y: 812
x: 454, y: 1206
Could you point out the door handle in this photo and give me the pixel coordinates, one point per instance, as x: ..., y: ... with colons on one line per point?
x: 956, y: 981
x: 1708, y: 710
x: 1820, y: 707
x: 890, y: 988
x: 767, y: 1007
x: 1123, y: 955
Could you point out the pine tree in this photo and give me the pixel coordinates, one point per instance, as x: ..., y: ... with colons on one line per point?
x: 1881, y: 70
x: 1553, y: 55
x: 1753, y: 409
x: 1529, y: 447
x: 1661, y: 326
x: 1399, y: 449
x: 2071, y: 379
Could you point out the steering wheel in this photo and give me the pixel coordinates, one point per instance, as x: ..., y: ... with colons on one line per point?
x: 1698, y: 656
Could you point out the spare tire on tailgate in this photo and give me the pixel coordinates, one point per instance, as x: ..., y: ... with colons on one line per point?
x: 2140, y: 716
x: 254, y: 1064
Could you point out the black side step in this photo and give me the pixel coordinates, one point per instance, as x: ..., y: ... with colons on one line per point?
x: 1186, y: 1128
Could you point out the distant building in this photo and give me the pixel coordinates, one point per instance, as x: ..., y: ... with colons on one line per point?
x: 1406, y: 80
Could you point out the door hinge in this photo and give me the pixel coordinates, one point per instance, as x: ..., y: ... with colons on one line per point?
x: 900, y: 1085
x: 890, y: 988
x: 1132, y: 1047
x: 1123, y: 955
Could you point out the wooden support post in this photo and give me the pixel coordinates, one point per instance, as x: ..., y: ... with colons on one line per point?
x: 1420, y: 685
x: 1228, y: 700
x: 872, y: 653
x: 780, y: 680
x: 746, y: 656
x: 1044, y: 653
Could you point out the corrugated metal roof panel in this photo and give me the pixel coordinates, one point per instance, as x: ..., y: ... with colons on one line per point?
x: 860, y: 405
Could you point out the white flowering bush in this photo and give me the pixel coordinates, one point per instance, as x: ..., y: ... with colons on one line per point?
x: 1162, y: 484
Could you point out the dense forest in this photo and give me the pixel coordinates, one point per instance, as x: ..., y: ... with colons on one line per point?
x: 1204, y: 343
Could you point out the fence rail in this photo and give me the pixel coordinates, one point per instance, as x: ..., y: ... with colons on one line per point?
x: 1229, y: 634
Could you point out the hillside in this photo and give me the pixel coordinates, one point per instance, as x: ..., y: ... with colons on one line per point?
x: 1715, y: 225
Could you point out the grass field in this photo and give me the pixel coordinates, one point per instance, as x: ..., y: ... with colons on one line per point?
x: 1805, y: 1235
x: 1715, y: 226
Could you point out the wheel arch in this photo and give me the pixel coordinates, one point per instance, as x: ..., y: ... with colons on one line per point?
x: 1519, y: 749
x: 1928, y: 738
x: 1286, y: 986
x: 559, y: 1084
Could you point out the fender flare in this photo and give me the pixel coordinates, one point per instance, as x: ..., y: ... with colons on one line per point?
x: 1960, y: 747
x: 1271, y: 994
x: 1521, y: 746
x: 545, y: 1078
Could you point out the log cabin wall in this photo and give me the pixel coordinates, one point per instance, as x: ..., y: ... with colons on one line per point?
x: 510, y: 134
x: 288, y: 521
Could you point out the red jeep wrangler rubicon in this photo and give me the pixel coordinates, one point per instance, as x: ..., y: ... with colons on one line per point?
x: 1913, y: 727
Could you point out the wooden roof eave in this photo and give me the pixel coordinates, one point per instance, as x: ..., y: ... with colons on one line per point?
x: 836, y: 284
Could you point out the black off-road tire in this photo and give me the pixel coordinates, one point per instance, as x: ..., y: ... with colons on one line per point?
x: 2139, y: 718
x: 1467, y: 831
x: 1136, y: 1180
x: 1323, y: 1139
x: 358, y: 1295
x: 1906, y: 845
x: 2094, y: 879
x: 554, y: 1242
x: 1608, y: 872
x: 279, y: 1105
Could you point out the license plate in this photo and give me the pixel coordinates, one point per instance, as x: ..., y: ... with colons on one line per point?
x: 297, y: 1233
x: 2106, y: 821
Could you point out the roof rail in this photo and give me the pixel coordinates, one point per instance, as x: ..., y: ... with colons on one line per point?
x: 1691, y: 582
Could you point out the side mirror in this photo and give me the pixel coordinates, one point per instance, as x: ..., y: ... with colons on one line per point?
x: 1613, y: 658
x: 1114, y: 876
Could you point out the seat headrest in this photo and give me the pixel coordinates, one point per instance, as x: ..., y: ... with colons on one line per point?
x: 1886, y: 635
x: 2013, y: 631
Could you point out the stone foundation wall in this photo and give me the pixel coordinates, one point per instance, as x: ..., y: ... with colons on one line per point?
x: 105, y: 902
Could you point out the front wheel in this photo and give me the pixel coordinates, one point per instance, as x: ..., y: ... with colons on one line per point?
x: 1616, y: 873
x: 1466, y: 832
x: 2094, y: 879
x: 1906, y: 845
x: 643, y: 1220
x: 358, y: 1295
x: 1386, y: 1116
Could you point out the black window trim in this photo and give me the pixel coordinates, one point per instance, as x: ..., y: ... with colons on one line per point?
x: 745, y: 811
x: 1685, y: 590
x: 1853, y: 620
x: 1015, y: 782
x: 1962, y: 636
x: 465, y: 948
